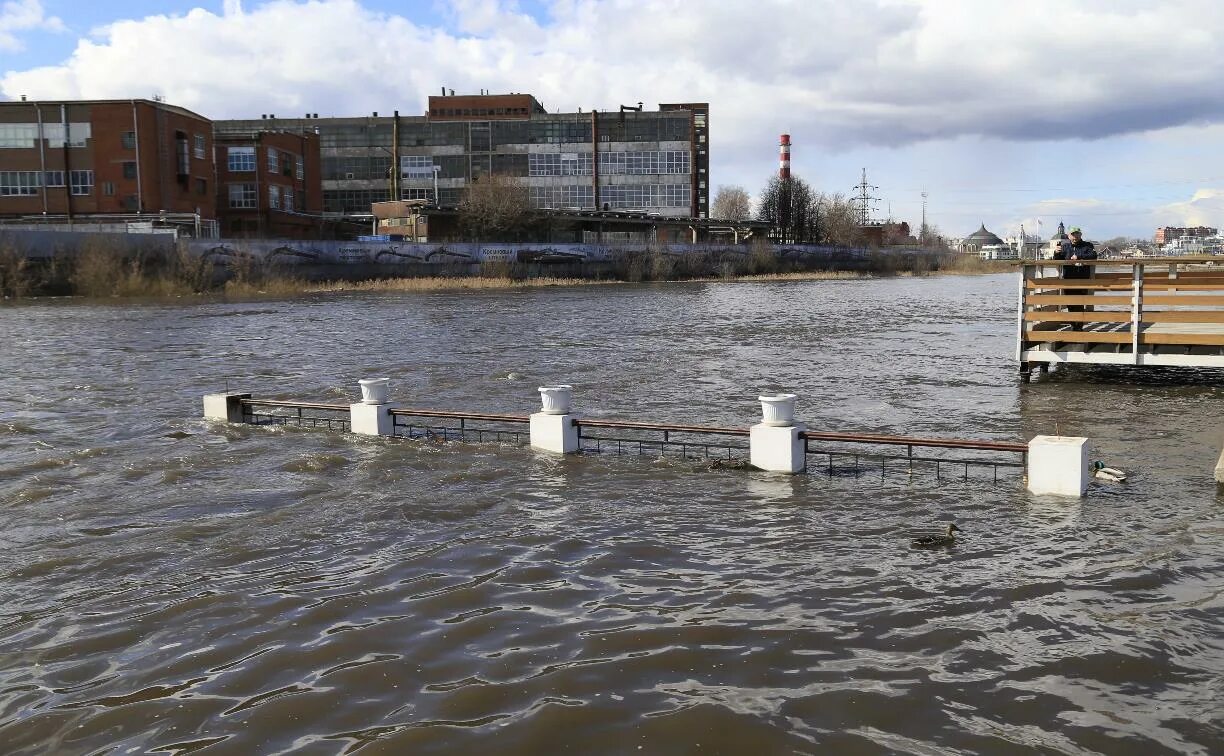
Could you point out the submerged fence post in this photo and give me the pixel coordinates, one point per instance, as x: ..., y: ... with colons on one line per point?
x: 372, y: 415
x: 552, y: 428
x: 227, y: 406
x: 774, y: 443
x: 1058, y: 465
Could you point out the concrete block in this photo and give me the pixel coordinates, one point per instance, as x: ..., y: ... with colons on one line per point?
x: 554, y: 433
x: 372, y: 419
x: 226, y: 407
x: 1219, y: 470
x: 1058, y: 465
x: 777, y: 449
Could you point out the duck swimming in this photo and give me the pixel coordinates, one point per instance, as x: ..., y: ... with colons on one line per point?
x: 1111, y: 474
x: 939, y: 541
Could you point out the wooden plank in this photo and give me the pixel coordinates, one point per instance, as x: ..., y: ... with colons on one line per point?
x: 1095, y: 285
x: 1189, y: 300
x: 1078, y: 299
x: 1082, y: 317
x: 1183, y: 316
x: 1087, y: 337
x: 1187, y: 339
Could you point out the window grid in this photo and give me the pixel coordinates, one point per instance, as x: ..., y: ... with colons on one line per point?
x: 416, y: 193
x: 301, y: 168
x: 242, y: 196
x: 82, y: 182
x: 665, y: 162
x: 565, y: 195
x: 416, y: 166
x: 54, y: 178
x: 274, y: 197
x: 289, y: 200
x: 646, y: 195
x: 559, y: 164
x: 199, y: 146
x: 19, y: 183
x: 273, y: 160
x: 241, y: 159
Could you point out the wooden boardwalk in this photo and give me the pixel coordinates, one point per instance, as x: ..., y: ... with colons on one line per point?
x: 1143, y: 311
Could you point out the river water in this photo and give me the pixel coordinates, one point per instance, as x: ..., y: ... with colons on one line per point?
x: 172, y: 586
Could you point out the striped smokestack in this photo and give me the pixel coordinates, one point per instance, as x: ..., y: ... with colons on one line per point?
x: 784, y: 157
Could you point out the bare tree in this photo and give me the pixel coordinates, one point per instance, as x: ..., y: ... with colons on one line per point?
x: 731, y: 203
x: 495, y: 208
x: 787, y: 205
x: 836, y: 220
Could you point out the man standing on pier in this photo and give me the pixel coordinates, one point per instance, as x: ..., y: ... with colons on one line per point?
x: 1076, y: 249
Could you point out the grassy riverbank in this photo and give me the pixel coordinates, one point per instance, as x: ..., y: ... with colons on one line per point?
x: 109, y: 271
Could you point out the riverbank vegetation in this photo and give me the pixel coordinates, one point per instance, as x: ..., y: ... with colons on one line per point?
x: 104, y: 268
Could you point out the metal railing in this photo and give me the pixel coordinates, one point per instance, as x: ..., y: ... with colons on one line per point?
x: 490, y: 426
x: 304, y: 414
x: 854, y: 454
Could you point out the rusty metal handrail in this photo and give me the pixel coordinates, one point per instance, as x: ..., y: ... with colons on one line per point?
x: 487, y: 416
x: 944, y: 443
x: 294, y: 404
x: 662, y: 427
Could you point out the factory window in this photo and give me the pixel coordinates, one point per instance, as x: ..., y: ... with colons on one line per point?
x: 199, y: 146
x: 416, y: 193
x: 129, y: 169
x: 352, y: 200
x: 78, y: 134
x: 644, y: 163
x: 108, y: 188
x: 301, y: 168
x: 416, y: 166
x: 18, y: 183
x: 82, y: 182
x: 18, y: 135
x: 53, y: 178
x: 288, y: 200
x: 559, y: 164
x: 242, y: 196
x: 274, y: 197
x: 646, y: 195
x: 241, y: 159
x: 565, y: 195
x: 128, y: 140
x: 201, y: 186
x: 273, y: 160
x: 699, y: 120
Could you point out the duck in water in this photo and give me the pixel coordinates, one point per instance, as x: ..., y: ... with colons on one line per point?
x: 939, y: 541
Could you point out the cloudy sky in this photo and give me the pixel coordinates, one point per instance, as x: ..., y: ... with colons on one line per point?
x: 1108, y: 114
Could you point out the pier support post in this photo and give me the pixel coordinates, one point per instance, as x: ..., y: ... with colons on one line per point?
x: 372, y: 419
x: 1219, y: 470
x: 552, y: 429
x: 777, y: 449
x: 226, y: 406
x: 1058, y: 465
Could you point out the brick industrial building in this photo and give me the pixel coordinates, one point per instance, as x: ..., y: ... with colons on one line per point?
x: 268, y: 183
x: 623, y: 160
x: 61, y: 159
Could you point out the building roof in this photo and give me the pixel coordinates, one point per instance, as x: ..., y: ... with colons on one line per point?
x: 154, y: 103
x: 983, y: 237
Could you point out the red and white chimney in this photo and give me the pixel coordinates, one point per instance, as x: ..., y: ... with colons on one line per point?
x: 784, y: 157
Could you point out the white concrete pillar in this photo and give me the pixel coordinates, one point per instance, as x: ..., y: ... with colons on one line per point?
x: 552, y: 428
x: 1219, y: 470
x: 372, y: 419
x: 554, y: 433
x: 777, y: 449
x: 226, y: 407
x: 1058, y: 465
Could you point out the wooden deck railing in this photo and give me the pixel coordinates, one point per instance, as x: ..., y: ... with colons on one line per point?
x: 1138, y: 307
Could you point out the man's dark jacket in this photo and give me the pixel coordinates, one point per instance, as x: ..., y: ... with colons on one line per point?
x: 1082, y: 250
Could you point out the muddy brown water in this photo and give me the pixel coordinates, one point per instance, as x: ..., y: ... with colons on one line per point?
x: 170, y: 586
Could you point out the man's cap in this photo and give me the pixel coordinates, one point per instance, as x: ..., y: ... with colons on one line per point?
x: 1075, y: 230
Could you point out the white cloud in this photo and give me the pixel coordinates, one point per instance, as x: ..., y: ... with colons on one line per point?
x: 18, y: 16
x: 875, y: 72
x: 1204, y: 208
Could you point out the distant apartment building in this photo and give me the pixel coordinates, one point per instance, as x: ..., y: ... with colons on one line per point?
x: 626, y: 160
x: 90, y: 158
x: 268, y: 183
x: 1166, y: 234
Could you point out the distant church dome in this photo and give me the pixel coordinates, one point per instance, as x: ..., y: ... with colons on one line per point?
x: 983, y: 238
